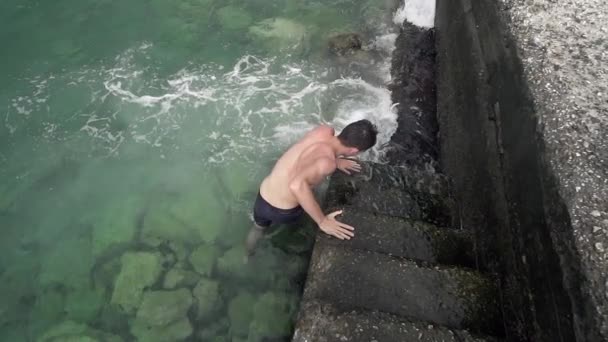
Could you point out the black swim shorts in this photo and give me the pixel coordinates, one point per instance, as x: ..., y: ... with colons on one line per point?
x: 265, y: 214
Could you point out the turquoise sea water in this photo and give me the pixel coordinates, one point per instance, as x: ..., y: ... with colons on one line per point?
x: 133, y: 137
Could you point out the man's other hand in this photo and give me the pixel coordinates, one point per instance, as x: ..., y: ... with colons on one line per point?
x: 348, y: 165
x: 333, y: 227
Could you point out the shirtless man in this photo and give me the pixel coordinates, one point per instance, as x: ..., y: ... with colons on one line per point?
x: 287, y: 192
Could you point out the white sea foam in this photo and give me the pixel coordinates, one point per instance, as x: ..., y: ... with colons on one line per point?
x: 260, y: 104
x: 418, y: 12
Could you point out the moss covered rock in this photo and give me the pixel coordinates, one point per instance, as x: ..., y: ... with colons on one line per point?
x: 240, y: 313
x: 203, y: 259
x: 138, y: 271
x: 162, y: 316
x: 272, y: 317
x: 178, y: 277
x: 176, y: 331
x: 208, y: 298
x: 231, y: 263
x: 159, y: 308
x: 70, y: 331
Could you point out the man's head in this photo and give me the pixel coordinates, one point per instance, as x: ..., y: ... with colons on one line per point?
x: 359, y: 136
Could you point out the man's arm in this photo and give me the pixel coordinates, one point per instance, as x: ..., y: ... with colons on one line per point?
x: 300, y: 187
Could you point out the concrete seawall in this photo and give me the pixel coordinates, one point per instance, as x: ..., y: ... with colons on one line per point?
x: 524, y: 123
x: 410, y: 272
x: 491, y: 221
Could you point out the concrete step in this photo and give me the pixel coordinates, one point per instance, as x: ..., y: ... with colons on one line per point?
x: 394, y: 191
x: 321, y: 322
x: 406, y: 238
x: 454, y: 297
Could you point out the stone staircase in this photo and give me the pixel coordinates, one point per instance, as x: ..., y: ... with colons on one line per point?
x: 408, y: 275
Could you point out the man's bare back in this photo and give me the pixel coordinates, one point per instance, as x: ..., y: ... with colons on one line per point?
x: 287, y: 190
x: 275, y: 188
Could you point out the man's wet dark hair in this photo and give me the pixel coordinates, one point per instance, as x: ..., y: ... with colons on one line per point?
x: 359, y: 134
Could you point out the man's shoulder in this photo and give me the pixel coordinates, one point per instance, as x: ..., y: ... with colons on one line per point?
x: 324, y: 130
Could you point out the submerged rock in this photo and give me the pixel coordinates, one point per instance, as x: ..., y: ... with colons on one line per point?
x: 117, y: 227
x: 240, y: 313
x: 83, y: 305
x: 178, y: 277
x: 70, y: 331
x: 160, y: 308
x: 239, y: 180
x: 68, y: 263
x: 160, y: 226
x: 139, y: 270
x: 200, y: 210
x: 271, y: 317
x: 194, y: 217
x: 162, y: 316
x: 176, y: 331
x: 47, y: 309
x: 233, y: 18
x: 208, y: 298
x: 231, y: 263
x: 203, y: 259
x: 281, y: 35
x: 215, y: 332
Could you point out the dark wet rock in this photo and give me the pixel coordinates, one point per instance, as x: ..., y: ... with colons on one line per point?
x: 385, y: 177
x: 344, y: 44
x: 394, y: 191
x: 326, y: 323
x: 414, y: 240
x: 413, y: 89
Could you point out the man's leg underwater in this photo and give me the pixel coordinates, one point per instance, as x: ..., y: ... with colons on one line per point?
x: 255, y: 234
